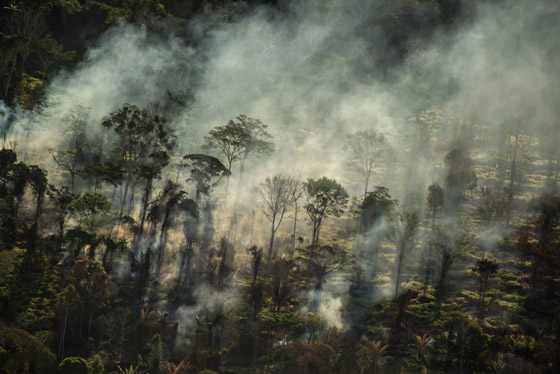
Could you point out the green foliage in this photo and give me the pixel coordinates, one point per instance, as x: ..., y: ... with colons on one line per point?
x: 154, y: 362
x: 24, y: 349
x: 30, y: 92
x: 377, y: 204
x: 323, y: 260
x: 466, y: 345
x: 239, y: 140
x: 206, y: 171
x: 325, y: 197
x: 75, y: 365
x: 91, y: 209
x: 3, y: 361
x: 277, y: 319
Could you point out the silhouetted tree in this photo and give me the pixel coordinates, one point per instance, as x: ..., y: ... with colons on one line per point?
x: 486, y: 269
x: 460, y: 175
x: 275, y: 197
x: 239, y: 140
x: 325, y: 197
x: 403, y: 234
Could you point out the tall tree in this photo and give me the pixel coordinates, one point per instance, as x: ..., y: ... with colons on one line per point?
x: 366, y: 147
x: 168, y: 200
x: 62, y: 200
x: 205, y: 172
x: 139, y: 134
x: 319, y: 261
x: 435, y: 199
x: 239, y: 140
x: 274, y: 199
x: 373, y: 209
x: 325, y: 197
x: 148, y: 172
x: 73, y: 157
x: 403, y: 234
x: 460, y: 175
x: 91, y: 209
x: 297, y: 192
x: 486, y: 269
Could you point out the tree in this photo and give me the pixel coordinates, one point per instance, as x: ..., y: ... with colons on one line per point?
x: 75, y: 153
x: 297, y: 191
x: 373, y: 208
x: 463, y: 341
x: 169, y: 199
x: 91, y: 208
x: 320, y: 261
x: 486, y: 269
x: 275, y: 197
x: 39, y: 183
x: 148, y: 172
x: 206, y: 172
x: 49, y: 52
x: 140, y: 133
x: 97, y: 366
x: 460, y: 175
x: 239, y: 140
x: 435, y: 199
x: 451, y: 244
x: 22, y: 25
x: 366, y: 147
x: 62, y: 200
x: 110, y: 172
x: 372, y: 356
x: 540, y: 243
x: 376, y: 205
x: 256, y: 258
x: 325, y: 197
x: 323, y: 260
x: 403, y: 234
x: 154, y: 362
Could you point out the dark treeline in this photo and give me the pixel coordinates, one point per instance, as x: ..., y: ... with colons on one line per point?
x: 392, y: 210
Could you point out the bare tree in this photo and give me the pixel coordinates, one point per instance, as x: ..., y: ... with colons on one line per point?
x: 297, y: 191
x: 72, y: 158
x: 366, y: 147
x: 274, y: 199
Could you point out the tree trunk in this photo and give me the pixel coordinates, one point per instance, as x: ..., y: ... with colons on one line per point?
x: 398, y: 280
x: 272, y: 232
x: 317, y: 232
x: 367, y: 183
x: 10, y: 77
x: 145, y: 202
x: 62, y: 337
x: 294, y: 232
x: 513, y: 166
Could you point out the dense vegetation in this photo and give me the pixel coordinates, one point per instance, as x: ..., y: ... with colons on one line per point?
x: 151, y: 239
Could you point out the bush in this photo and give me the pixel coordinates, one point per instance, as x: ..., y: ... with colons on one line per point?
x: 75, y: 365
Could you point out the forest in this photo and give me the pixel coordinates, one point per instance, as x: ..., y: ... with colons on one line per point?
x: 279, y: 186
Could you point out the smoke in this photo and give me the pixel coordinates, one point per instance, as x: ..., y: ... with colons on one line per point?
x: 311, y: 73
x: 316, y: 71
x: 330, y: 311
x: 6, y: 119
x: 208, y: 302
